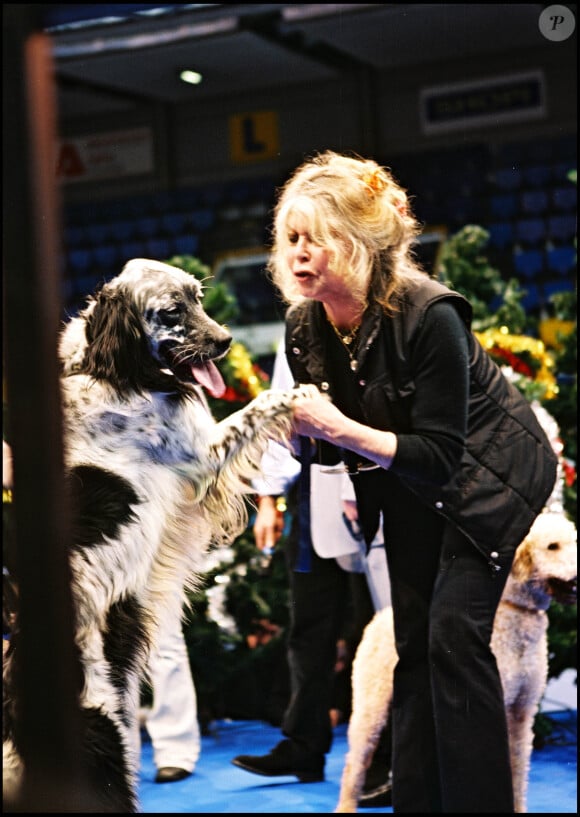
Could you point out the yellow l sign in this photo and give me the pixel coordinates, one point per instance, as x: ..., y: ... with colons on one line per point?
x: 254, y: 136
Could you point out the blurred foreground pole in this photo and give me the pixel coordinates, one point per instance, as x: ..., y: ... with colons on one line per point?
x: 50, y: 740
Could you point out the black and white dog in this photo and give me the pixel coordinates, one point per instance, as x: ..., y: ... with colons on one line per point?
x: 155, y: 481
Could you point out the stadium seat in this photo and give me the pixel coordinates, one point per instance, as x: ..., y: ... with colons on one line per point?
x: 173, y: 223
x: 564, y: 198
x: 158, y: 248
x: 185, y: 245
x: 528, y: 263
x: 147, y: 226
x: 561, y: 260
x: 507, y: 178
x: 74, y: 236
x: 131, y: 249
x: 79, y: 261
x: 530, y: 231
x: 106, y: 256
x: 561, y: 227
x: 123, y: 230
x: 537, y: 175
x: 559, y: 285
x: 503, y: 205
x: 501, y: 234
x: 98, y: 233
x: 202, y: 219
x: 531, y: 297
x: 533, y: 202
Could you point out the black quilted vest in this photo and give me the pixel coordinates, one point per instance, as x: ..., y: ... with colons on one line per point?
x: 508, y: 467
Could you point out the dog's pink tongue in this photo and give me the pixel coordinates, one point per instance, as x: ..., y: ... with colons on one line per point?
x: 207, y: 375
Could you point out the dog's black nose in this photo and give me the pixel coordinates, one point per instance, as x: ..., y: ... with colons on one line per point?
x: 224, y: 345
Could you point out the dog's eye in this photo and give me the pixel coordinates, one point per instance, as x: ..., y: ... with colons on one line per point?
x: 170, y: 317
x: 554, y: 546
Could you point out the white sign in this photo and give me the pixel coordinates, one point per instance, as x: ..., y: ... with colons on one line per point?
x: 105, y: 156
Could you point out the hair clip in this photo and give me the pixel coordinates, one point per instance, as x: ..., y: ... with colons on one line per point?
x: 374, y: 182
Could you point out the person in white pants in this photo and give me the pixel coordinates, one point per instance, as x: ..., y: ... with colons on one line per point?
x: 172, y: 722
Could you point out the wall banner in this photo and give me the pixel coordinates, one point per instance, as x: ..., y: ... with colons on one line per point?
x: 105, y: 156
x: 486, y: 102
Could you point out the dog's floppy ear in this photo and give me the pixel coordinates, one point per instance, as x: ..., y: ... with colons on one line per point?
x: 117, y: 347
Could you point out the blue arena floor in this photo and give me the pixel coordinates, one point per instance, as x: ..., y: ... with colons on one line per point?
x: 217, y: 786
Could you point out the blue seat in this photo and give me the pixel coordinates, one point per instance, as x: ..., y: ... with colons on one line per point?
x: 202, y: 219
x: 106, y: 256
x: 530, y: 231
x: 561, y: 227
x: 503, y: 205
x: 554, y: 286
x: 147, y: 226
x: 173, y: 223
x: 131, y: 249
x: 79, y: 261
x: 501, y: 234
x: 530, y: 297
x: 537, y: 175
x: 98, y: 233
x: 561, y: 260
x: 564, y: 198
x: 534, y: 202
x: 74, y: 236
x: 560, y: 172
x: 123, y: 230
x: 185, y: 244
x: 529, y: 263
x: 158, y: 248
x: 507, y: 178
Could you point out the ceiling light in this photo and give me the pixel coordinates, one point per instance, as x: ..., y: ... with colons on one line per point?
x: 191, y: 77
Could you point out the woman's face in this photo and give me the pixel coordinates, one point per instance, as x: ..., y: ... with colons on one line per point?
x: 310, y: 264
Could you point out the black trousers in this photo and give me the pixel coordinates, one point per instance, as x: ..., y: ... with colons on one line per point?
x: 325, y: 604
x: 450, y: 742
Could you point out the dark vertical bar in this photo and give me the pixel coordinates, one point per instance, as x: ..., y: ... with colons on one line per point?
x: 49, y: 672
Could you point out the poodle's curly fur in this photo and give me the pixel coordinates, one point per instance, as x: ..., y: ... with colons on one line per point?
x: 544, y: 568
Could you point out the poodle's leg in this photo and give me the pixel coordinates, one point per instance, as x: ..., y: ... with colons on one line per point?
x: 364, y: 731
x: 521, y: 740
x: 372, y: 692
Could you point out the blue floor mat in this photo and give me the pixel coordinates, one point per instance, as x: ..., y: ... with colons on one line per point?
x: 218, y: 787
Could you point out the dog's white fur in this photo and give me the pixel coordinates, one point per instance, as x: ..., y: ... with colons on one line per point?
x: 171, y: 483
x: 545, y: 558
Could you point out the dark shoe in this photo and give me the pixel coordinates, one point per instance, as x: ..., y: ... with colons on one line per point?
x: 170, y: 774
x: 377, y: 797
x: 285, y: 759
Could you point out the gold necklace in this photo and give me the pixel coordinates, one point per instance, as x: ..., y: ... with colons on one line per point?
x: 347, y: 341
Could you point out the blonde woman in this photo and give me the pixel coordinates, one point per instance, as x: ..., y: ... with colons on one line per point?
x: 436, y: 440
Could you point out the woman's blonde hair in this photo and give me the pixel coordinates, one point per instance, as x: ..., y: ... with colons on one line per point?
x: 355, y: 209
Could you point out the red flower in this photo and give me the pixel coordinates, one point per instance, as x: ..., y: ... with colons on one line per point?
x: 569, y: 472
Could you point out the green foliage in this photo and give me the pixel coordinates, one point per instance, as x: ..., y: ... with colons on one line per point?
x: 464, y: 267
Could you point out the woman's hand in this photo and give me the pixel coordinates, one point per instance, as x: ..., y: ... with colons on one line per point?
x: 318, y: 417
